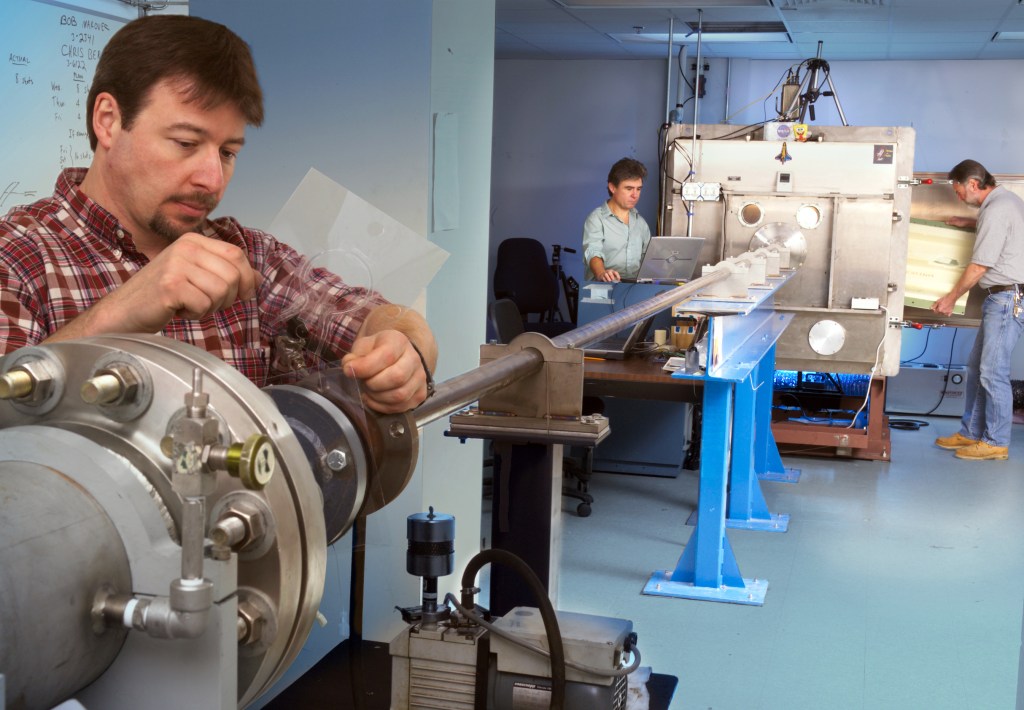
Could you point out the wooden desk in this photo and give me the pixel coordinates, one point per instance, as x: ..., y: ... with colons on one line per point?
x: 640, y: 377
x: 651, y: 421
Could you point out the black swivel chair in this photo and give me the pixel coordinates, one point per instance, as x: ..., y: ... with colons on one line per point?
x: 522, y: 273
x: 506, y: 320
x: 508, y: 323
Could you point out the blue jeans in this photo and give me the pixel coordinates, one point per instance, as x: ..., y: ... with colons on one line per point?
x: 988, y: 406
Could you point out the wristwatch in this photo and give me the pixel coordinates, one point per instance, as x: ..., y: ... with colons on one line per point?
x: 431, y: 388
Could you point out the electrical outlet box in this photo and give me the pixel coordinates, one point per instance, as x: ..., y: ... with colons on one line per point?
x: 864, y: 304
x: 926, y: 389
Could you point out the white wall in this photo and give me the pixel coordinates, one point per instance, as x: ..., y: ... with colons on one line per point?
x: 462, y: 84
x: 350, y: 90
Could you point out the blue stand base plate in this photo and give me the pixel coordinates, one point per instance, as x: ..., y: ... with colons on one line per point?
x: 751, y: 593
x: 779, y: 522
x: 789, y: 475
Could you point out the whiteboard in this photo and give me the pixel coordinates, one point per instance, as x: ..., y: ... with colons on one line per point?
x: 50, y: 50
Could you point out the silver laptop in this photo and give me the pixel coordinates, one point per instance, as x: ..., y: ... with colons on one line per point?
x: 618, y: 347
x: 669, y: 259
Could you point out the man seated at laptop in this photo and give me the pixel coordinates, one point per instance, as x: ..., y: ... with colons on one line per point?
x: 615, y: 235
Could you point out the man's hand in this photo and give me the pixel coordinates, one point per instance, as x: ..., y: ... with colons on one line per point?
x: 968, y: 222
x: 944, y: 306
x: 192, y: 277
x: 389, y: 370
x: 972, y: 275
x: 610, y: 275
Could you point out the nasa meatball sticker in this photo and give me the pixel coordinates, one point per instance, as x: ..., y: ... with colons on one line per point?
x: 883, y: 155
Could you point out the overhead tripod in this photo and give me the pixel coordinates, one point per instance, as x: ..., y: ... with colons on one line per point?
x: 798, y: 96
x: 570, y: 286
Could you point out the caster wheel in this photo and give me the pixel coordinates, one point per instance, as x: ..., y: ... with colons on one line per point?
x: 583, y: 510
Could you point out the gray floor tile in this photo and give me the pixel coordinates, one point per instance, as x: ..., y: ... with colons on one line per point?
x: 898, y: 585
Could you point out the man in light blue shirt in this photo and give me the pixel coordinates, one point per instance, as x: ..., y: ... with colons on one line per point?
x: 615, y: 235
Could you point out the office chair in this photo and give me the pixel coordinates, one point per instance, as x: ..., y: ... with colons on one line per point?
x: 508, y: 323
x: 505, y: 319
x: 522, y: 273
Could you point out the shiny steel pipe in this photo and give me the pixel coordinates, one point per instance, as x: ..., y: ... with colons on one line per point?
x: 454, y: 394
x: 614, y: 322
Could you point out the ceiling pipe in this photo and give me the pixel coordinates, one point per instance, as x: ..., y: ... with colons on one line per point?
x: 696, y: 116
x: 669, y: 73
x: 728, y: 86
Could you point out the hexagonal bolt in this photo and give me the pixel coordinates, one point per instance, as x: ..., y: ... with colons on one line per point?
x: 102, y: 389
x: 229, y: 531
x: 16, y: 383
x: 239, y: 527
x: 250, y: 623
x: 116, y: 384
x: 336, y: 460
x: 396, y: 430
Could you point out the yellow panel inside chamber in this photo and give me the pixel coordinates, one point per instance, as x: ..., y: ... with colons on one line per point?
x: 936, y: 257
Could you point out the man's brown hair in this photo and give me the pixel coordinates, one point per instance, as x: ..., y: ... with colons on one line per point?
x: 211, y: 61
x: 971, y: 169
x: 626, y: 169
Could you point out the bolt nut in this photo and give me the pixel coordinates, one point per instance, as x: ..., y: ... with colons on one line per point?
x: 114, y: 385
x: 252, y: 520
x: 251, y: 622
x: 29, y: 382
x: 337, y: 460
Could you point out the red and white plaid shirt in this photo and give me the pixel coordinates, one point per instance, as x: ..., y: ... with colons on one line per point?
x: 58, y: 256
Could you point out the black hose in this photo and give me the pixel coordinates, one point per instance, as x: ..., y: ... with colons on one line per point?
x: 547, y: 612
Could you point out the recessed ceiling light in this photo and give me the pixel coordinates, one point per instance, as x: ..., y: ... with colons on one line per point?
x: 706, y: 37
x: 636, y: 4
x: 1016, y: 36
x: 796, y: 4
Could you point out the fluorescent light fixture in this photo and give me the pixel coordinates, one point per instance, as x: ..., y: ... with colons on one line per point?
x: 637, y: 4
x: 812, y: 4
x: 679, y: 37
x: 1004, y: 36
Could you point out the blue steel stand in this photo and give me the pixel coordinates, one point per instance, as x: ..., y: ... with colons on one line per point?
x: 740, y: 367
x: 753, y: 453
x: 752, y: 429
x: 767, y: 462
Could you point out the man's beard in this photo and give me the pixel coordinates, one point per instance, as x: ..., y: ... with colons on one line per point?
x: 169, y: 230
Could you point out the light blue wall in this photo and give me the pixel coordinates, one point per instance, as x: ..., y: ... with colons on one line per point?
x: 558, y: 125
x: 959, y: 108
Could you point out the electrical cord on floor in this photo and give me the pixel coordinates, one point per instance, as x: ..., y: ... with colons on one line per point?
x: 907, y: 424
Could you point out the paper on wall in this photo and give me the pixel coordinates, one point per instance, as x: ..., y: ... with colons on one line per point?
x: 344, y: 233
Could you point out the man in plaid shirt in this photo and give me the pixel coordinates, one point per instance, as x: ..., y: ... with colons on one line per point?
x: 127, y: 247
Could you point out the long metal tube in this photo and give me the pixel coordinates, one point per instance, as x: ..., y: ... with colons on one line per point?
x: 454, y: 394
x: 451, y: 395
